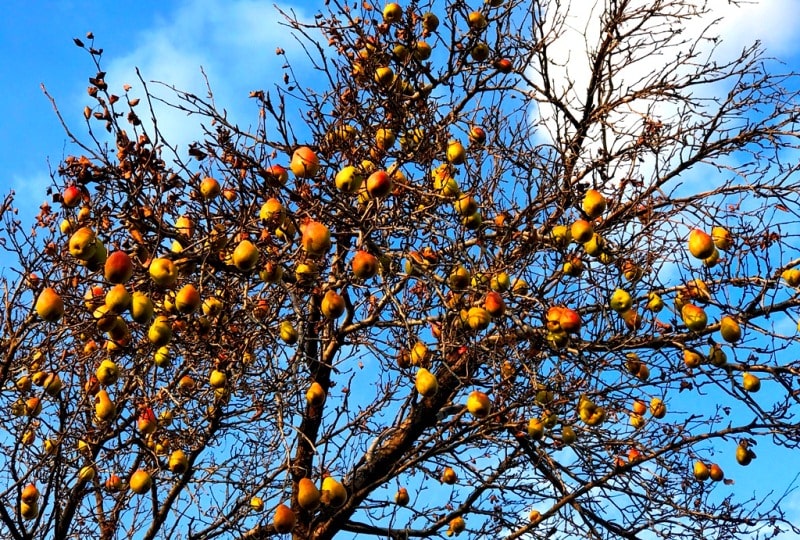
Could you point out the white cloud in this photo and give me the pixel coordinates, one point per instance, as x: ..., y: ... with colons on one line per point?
x: 232, y: 42
x: 577, y: 25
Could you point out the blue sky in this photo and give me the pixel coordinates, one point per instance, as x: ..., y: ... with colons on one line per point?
x: 234, y: 41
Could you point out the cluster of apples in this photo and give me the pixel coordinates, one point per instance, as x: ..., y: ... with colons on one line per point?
x: 310, y: 498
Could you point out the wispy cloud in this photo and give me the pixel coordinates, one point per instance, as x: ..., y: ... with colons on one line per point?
x: 232, y: 42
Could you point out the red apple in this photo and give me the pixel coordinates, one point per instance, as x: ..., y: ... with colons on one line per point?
x: 379, y: 184
x: 118, y: 267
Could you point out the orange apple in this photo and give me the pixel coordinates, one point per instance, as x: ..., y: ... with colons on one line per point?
x: 365, y: 265
x: 316, y: 239
x: 401, y: 498
x: 308, y: 496
x: 188, y: 299
x: 594, y: 204
x: 476, y: 20
x: 315, y: 396
x: 569, y: 320
x: 305, y: 163
x: 140, y: 482
x: 113, y: 483
x: 146, y: 422
x: 284, y: 519
x: 449, y: 476
x: 494, y: 304
x: 209, y: 188
x: 277, y: 173
x: 701, y: 245
x: 694, y: 317
x: 49, y: 305
x: 750, y: 382
x: 118, y: 267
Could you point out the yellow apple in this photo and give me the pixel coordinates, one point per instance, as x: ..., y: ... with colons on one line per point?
x: 620, y: 301
x: 478, y: 404
x: 104, y: 408
x: 163, y: 272
x: 288, y: 333
x: 141, y: 307
x: 729, y: 329
x: 107, y: 372
x: 465, y: 206
x: 478, y: 318
x: 700, y: 471
x: 456, y: 153
x: 245, y: 256
x: 140, y: 482
x: 256, y: 503
x: 594, y: 204
x: 272, y: 212
x: 160, y: 332
x: 480, y: 52
x: 332, y: 305
x: 349, y: 179
x: 178, y: 461
x: 657, y: 408
x: 392, y: 13
x: 425, y: 382
x: 82, y: 244
x: 118, y: 299
x: 722, y: 238
x: 333, y: 492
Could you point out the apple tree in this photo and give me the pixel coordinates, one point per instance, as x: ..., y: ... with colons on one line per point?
x: 447, y: 279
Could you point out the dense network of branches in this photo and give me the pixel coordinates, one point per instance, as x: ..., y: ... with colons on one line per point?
x: 450, y: 278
